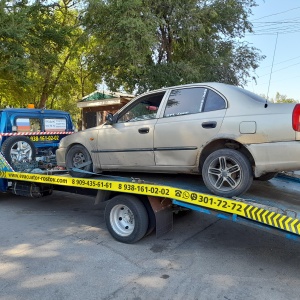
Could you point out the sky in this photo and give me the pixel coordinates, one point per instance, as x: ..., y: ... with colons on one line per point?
x: 276, y: 25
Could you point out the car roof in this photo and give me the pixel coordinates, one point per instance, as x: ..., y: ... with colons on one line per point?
x: 212, y: 84
x: 229, y: 91
x: 221, y: 87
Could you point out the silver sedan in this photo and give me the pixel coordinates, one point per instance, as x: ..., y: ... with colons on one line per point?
x: 226, y: 133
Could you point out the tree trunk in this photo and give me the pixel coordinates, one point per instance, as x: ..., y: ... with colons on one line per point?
x: 45, y: 91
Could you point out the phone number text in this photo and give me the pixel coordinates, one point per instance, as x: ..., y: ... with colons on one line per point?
x: 220, y: 203
x: 144, y: 189
x: 38, y: 138
x: 91, y: 183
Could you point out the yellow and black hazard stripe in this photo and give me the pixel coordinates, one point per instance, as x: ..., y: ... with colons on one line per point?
x: 272, y: 218
x: 231, y: 206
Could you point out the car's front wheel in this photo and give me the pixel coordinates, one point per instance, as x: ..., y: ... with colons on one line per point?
x: 227, y: 173
x: 78, y: 157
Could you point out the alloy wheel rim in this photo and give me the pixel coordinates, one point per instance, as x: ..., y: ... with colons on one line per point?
x: 21, y: 151
x: 224, y: 173
x: 78, y: 159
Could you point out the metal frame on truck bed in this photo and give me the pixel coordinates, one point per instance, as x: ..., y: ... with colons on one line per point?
x: 137, y: 205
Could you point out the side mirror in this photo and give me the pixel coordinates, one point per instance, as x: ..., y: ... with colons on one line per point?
x: 109, y: 118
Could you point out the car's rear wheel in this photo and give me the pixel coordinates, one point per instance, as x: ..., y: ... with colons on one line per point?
x: 227, y: 173
x: 267, y: 176
x: 18, y: 149
x: 78, y: 157
x: 126, y: 218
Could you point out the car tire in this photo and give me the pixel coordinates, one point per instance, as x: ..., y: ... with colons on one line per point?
x: 227, y: 173
x: 18, y: 149
x: 126, y: 218
x: 267, y: 176
x: 76, y: 156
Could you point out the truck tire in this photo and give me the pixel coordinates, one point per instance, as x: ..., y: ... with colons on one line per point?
x: 18, y: 149
x: 227, y: 173
x: 151, y: 216
x: 76, y: 156
x: 126, y: 218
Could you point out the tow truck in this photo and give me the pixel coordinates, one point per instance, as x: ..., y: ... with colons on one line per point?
x: 30, y: 136
x: 139, y: 203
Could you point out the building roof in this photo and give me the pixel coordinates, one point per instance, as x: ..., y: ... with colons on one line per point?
x: 98, y: 98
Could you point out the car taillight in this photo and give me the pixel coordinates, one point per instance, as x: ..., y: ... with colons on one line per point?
x: 296, y: 117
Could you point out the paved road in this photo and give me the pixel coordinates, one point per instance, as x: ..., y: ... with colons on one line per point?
x: 57, y: 247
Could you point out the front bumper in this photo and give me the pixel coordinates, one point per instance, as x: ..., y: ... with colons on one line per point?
x: 61, y: 157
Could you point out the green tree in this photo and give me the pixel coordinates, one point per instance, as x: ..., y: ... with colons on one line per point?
x: 44, y: 53
x: 279, y: 98
x: 54, y: 38
x: 147, y: 44
x: 14, y: 27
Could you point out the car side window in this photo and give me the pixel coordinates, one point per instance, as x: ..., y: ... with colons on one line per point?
x: 185, y: 101
x: 144, y: 109
x: 28, y: 125
x: 213, y: 101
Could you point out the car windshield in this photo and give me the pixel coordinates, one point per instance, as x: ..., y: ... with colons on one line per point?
x: 251, y: 95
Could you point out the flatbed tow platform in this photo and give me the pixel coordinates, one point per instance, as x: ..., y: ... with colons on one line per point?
x: 139, y: 203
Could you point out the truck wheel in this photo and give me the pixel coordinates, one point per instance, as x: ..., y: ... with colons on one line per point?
x: 76, y: 156
x: 267, y: 176
x: 151, y: 216
x: 126, y: 218
x: 18, y: 149
x: 227, y: 173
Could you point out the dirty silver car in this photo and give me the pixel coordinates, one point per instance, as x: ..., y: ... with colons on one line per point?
x: 226, y: 133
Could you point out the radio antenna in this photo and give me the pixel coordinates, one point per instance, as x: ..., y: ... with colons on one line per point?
x: 272, y: 66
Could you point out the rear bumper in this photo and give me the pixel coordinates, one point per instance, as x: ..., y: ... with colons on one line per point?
x: 275, y: 157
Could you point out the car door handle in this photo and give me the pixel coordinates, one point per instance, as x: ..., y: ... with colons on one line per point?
x: 210, y: 124
x: 144, y: 130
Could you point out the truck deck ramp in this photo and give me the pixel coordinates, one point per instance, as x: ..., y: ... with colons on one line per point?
x: 268, y: 205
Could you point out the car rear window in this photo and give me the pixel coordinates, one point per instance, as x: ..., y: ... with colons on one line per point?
x: 192, y: 101
x: 185, y: 101
x: 213, y: 102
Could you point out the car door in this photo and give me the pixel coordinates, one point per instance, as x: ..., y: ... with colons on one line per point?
x: 192, y: 117
x: 128, y: 142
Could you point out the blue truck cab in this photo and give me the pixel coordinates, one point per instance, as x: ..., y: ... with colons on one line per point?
x: 28, y: 134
